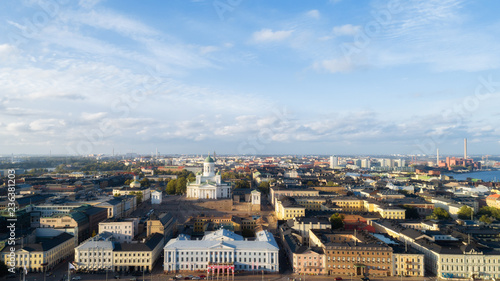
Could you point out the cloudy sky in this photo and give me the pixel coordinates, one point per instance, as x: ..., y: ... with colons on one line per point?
x: 249, y: 77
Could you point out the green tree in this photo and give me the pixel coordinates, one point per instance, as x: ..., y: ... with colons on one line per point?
x: 180, y: 186
x: 331, y: 183
x: 242, y: 184
x: 127, y: 182
x: 264, y: 187
x: 465, y: 212
x: 486, y: 219
x: 439, y: 214
x: 138, y: 195
x: 490, y: 212
x: 170, y: 189
x: 337, y: 221
x: 145, y: 182
x: 228, y: 176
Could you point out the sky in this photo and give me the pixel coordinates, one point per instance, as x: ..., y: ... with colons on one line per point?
x: 331, y: 77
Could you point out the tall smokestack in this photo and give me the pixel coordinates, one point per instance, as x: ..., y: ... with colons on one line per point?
x: 465, y: 148
x: 437, y: 157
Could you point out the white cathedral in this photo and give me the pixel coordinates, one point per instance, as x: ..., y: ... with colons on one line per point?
x: 208, y: 185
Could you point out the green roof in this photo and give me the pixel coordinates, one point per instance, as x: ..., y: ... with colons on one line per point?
x: 209, y: 160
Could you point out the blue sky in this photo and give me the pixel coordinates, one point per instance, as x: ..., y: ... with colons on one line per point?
x: 249, y: 77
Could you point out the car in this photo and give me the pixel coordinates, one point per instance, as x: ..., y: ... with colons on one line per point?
x: 137, y: 273
x: 48, y: 274
x: 76, y: 278
x: 117, y: 276
x: 195, y: 278
x: 202, y: 276
x: 179, y: 276
x: 133, y: 279
x: 338, y: 278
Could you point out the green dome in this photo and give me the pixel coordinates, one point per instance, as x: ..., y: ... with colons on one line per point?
x: 209, y: 160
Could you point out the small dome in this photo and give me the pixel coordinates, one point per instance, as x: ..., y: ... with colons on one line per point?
x: 135, y: 184
x: 209, y: 160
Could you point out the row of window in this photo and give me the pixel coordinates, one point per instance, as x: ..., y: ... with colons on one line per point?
x: 362, y: 253
x: 359, y: 259
x: 218, y: 260
x: 84, y: 254
x: 221, y: 253
x: 455, y: 268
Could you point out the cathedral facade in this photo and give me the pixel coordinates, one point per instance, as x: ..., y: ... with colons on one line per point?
x: 208, y: 185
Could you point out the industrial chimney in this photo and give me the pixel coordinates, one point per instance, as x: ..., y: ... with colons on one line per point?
x: 465, y: 149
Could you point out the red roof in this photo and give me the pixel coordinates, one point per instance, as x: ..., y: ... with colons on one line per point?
x: 493, y: 197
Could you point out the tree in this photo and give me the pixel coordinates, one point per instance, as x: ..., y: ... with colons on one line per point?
x: 439, y: 214
x: 264, y: 187
x: 171, y: 187
x: 180, y: 186
x: 489, y: 212
x: 138, y: 195
x: 486, y: 219
x: 145, y: 182
x: 465, y: 212
x: 242, y: 184
x: 337, y: 221
x: 127, y: 182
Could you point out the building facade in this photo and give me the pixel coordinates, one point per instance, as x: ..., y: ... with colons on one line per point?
x: 224, y: 248
x: 123, y: 230
x: 41, y: 256
x: 208, y: 185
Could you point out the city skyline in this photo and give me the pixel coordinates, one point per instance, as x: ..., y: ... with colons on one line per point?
x: 249, y: 77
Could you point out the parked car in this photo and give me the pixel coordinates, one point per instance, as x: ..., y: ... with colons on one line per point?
x: 133, y: 279
x: 195, y: 278
x: 338, y: 278
x: 117, y: 276
x: 76, y: 278
x: 178, y: 276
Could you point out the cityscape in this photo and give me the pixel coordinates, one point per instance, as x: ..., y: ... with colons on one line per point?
x: 249, y: 140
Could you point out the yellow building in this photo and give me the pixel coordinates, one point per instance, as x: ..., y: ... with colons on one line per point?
x: 349, y: 204
x: 138, y: 256
x: 408, y: 264
x: 392, y: 213
x: 311, y: 203
x: 287, y: 208
x: 40, y: 256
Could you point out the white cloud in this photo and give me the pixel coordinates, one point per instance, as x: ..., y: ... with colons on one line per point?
x: 313, y: 14
x: 93, y: 116
x: 109, y: 20
x: 268, y: 35
x: 88, y: 4
x: 334, y: 65
x: 347, y: 29
x: 46, y: 124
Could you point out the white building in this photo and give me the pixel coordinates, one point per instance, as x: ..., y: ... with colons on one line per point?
x: 334, y: 162
x: 156, y: 197
x: 208, y: 185
x: 123, y: 230
x: 102, y: 252
x: 222, y: 247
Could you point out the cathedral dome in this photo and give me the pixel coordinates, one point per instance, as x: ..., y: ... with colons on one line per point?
x: 209, y: 160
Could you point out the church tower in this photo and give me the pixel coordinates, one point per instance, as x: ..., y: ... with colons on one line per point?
x: 209, y: 167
